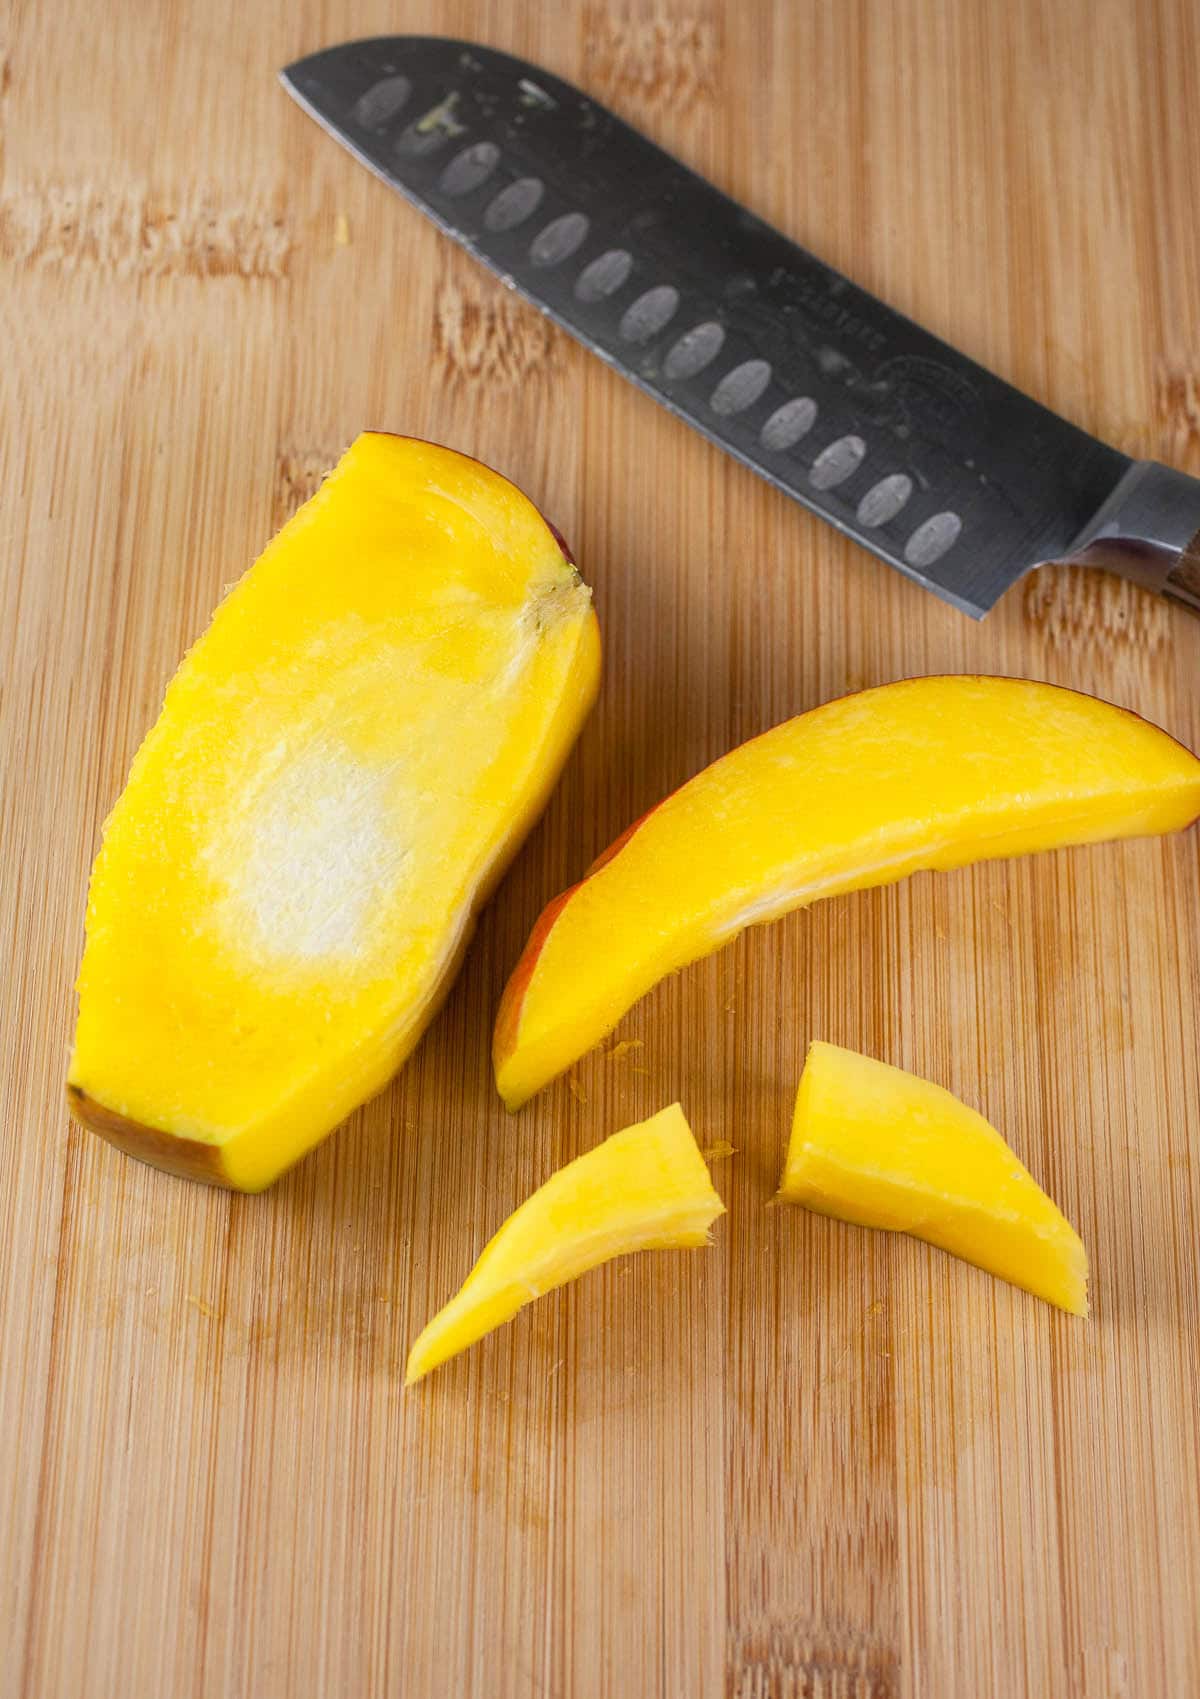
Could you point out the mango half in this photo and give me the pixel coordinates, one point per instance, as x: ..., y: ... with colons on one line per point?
x: 881, y: 1147
x: 343, y: 766
x: 926, y: 773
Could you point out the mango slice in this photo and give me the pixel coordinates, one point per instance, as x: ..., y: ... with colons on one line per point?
x: 928, y: 773
x: 343, y: 766
x: 643, y: 1189
x: 880, y: 1147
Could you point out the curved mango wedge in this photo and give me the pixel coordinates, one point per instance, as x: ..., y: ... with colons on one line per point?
x: 874, y: 1145
x: 344, y: 764
x: 643, y: 1189
x: 928, y: 773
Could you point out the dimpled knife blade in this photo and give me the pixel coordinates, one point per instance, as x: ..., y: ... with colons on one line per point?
x: 936, y: 465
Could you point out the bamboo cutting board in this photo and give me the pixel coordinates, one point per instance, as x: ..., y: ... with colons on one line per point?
x: 812, y: 1461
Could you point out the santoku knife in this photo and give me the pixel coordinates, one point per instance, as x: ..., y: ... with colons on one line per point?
x: 937, y: 466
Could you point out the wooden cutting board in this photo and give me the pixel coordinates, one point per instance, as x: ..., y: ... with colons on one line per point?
x: 811, y: 1461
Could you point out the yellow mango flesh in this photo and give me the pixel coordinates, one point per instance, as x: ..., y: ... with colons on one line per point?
x: 343, y: 765
x: 646, y: 1188
x: 927, y: 773
x: 877, y: 1146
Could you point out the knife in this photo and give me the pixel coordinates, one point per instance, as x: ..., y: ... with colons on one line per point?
x: 937, y: 466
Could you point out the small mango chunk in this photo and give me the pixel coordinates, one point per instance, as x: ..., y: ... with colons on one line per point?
x: 643, y: 1189
x: 877, y: 1146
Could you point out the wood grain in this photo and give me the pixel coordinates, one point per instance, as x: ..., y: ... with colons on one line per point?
x: 813, y: 1461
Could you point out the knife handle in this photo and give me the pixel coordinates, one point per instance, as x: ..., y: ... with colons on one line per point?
x: 1149, y: 530
x: 1182, y: 582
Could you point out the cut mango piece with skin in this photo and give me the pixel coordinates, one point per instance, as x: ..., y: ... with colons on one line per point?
x: 928, y: 773
x: 344, y: 764
x: 643, y: 1189
x: 877, y: 1146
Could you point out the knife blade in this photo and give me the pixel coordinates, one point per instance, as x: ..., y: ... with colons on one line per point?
x: 935, y: 464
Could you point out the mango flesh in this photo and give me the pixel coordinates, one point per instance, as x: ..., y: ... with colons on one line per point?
x: 880, y: 1147
x: 927, y: 773
x: 343, y: 765
x: 646, y: 1188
